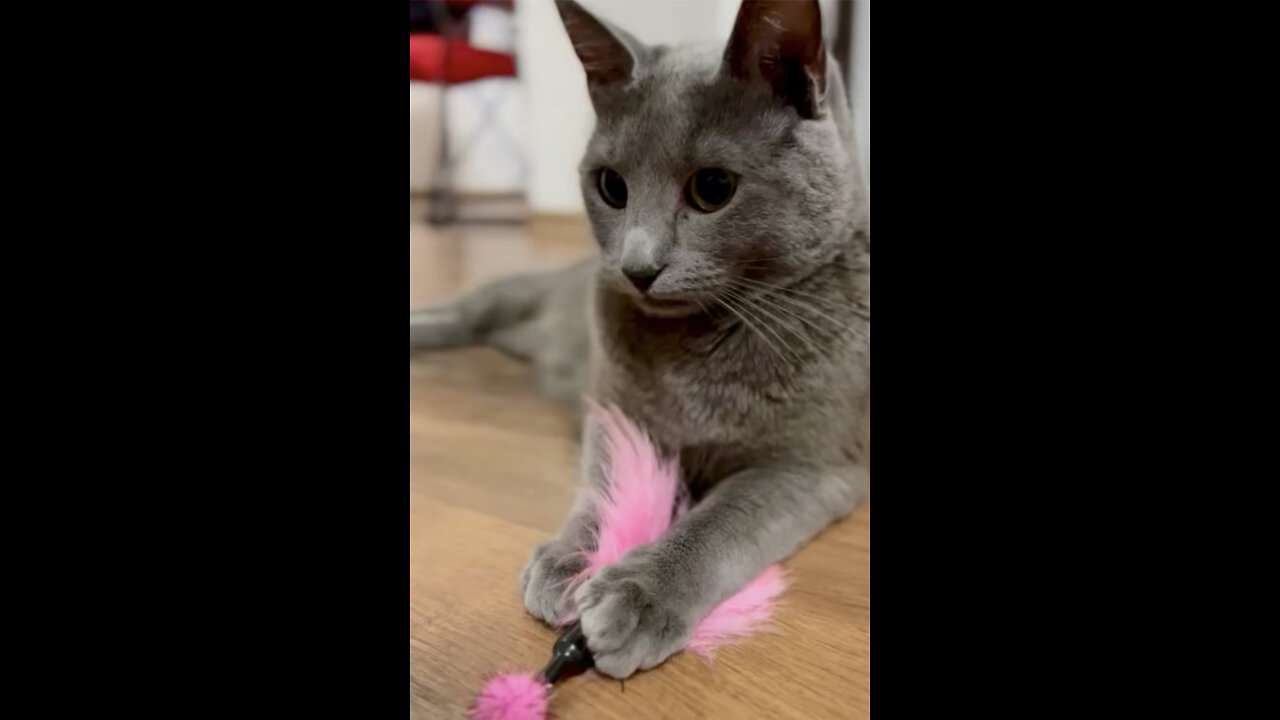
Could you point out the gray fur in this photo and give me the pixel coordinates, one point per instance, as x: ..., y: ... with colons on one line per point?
x: 750, y: 355
x: 540, y: 318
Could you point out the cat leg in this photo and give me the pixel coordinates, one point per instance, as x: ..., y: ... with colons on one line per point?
x: 546, y: 578
x: 438, y: 328
x: 474, y: 318
x: 521, y: 342
x: 641, y: 610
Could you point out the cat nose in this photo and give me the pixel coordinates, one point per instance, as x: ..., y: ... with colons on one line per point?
x: 643, y: 278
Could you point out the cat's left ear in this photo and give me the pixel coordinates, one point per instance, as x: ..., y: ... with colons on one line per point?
x: 779, y: 42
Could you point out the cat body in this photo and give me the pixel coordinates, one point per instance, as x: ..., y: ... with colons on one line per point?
x: 730, y: 315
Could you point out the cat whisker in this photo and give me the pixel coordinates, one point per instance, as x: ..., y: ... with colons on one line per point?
x: 751, y: 326
x: 797, y: 308
x: 783, y: 323
x: 835, y: 328
x: 792, y: 295
x: 787, y: 290
x: 759, y: 260
x: 745, y: 306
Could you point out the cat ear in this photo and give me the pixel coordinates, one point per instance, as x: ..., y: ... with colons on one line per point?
x: 779, y: 42
x: 608, y: 55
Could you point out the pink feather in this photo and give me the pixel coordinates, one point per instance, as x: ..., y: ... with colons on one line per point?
x: 640, y: 500
x: 636, y: 508
x: 639, y: 506
x: 741, y: 615
x: 512, y: 697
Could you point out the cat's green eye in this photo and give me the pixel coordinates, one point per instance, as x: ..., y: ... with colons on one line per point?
x: 613, y: 189
x: 710, y: 190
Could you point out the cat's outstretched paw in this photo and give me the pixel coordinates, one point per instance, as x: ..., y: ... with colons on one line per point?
x: 630, y: 623
x: 545, y: 581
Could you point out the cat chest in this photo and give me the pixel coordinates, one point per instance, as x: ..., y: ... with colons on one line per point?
x: 685, y: 406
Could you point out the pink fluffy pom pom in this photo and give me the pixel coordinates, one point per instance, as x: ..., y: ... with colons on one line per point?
x: 512, y: 697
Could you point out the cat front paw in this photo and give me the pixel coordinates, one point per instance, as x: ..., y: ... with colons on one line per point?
x: 631, y: 624
x: 547, y: 578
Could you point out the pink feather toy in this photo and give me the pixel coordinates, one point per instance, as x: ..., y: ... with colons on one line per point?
x: 640, y: 502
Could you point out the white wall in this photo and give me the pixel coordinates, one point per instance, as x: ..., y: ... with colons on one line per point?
x: 559, y: 112
x: 862, y: 83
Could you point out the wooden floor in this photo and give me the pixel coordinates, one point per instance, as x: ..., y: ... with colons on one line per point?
x: 491, y: 473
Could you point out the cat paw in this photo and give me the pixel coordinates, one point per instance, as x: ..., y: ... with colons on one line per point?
x: 630, y: 623
x: 545, y: 581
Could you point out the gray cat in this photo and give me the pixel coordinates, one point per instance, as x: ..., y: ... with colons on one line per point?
x: 730, y: 314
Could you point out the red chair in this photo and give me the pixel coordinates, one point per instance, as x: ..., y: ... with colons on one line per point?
x: 448, y: 59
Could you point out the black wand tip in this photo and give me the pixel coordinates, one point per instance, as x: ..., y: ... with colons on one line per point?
x: 569, y: 657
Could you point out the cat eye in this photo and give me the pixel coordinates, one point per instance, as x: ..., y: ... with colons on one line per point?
x: 710, y: 190
x: 613, y: 189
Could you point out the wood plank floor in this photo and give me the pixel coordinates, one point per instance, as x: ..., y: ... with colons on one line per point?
x: 491, y: 474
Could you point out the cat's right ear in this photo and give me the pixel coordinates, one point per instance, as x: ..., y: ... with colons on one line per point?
x: 779, y: 42
x: 608, y: 54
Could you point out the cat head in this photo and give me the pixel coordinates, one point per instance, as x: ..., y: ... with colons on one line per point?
x: 715, y: 169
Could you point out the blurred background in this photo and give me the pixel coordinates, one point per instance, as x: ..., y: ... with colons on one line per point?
x: 498, y: 106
